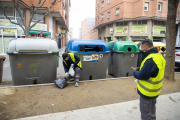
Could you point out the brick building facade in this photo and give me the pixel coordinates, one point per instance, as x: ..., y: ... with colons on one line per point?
x: 86, y: 26
x: 132, y: 20
x: 54, y: 26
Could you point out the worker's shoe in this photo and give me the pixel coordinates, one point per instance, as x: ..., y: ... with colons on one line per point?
x: 76, y: 84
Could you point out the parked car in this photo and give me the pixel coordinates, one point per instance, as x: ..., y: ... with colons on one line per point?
x: 177, y: 56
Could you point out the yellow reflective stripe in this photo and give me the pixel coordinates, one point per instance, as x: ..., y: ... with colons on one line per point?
x: 65, y: 62
x: 147, y: 93
x: 72, y: 56
x: 149, y: 90
x: 73, y: 59
x: 152, y: 82
x: 79, y: 64
x: 149, y: 85
x: 156, y: 57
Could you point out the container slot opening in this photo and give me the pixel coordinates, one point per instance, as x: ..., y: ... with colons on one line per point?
x: 127, y: 74
x: 34, y: 81
x: 163, y: 49
x: 86, y: 48
x: 90, y: 77
x: 129, y: 49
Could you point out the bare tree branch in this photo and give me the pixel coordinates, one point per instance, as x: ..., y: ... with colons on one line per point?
x: 31, y: 16
x: 57, y: 2
x: 41, y: 18
x: 9, y: 18
x: 47, y: 13
x: 12, y: 21
x: 43, y: 3
x: 37, y: 5
x: 16, y: 4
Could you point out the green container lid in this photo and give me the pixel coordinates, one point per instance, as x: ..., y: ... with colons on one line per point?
x: 124, y: 46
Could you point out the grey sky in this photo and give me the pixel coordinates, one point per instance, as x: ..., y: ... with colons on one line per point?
x: 79, y: 11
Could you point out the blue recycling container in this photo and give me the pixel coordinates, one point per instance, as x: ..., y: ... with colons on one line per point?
x: 93, y: 55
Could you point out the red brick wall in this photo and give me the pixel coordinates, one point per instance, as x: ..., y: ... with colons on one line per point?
x: 128, y: 9
x: 92, y: 35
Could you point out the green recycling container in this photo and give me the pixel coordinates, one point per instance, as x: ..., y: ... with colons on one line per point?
x: 123, y: 55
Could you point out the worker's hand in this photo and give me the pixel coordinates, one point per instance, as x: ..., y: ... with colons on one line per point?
x: 135, y: 69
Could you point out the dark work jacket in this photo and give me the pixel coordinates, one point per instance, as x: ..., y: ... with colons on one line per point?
x: 69, y: 62
x: 149, y: 69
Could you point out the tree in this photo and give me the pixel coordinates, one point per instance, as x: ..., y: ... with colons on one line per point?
x: 27, y: 28
x: 171, y: 39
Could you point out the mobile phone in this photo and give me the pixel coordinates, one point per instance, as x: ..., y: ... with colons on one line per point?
x: 133, y: 68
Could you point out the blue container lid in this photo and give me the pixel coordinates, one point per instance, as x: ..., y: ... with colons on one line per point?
x: 87, y: 46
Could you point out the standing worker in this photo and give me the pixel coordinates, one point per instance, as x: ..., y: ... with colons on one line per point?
x: 150, y: 79
x: 72, y: 58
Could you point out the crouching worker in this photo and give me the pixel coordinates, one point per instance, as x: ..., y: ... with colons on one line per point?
x: 72, y: 58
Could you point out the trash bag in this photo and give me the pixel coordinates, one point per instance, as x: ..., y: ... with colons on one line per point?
x: 61, y: 82
x: 71, y: 70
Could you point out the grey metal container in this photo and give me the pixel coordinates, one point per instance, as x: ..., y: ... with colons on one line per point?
x: 110, y: 59
x: 33, y: 61
x: 93, y: 55
x: 94, y: 70
x: 123, y: 56
x: 122, y: 62
x: 2, y: 59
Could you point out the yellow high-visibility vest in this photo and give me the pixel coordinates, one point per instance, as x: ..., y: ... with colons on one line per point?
x: 73, y: 59
x: 152, y: 86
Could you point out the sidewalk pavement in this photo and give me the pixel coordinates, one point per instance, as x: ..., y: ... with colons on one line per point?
x: 168, y: 107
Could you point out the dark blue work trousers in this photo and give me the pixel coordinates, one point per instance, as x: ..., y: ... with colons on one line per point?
x: 148, y: 108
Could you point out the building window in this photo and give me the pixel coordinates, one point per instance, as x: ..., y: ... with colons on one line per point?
x: 144, y: 21
x: 102, y: 3
x: 134, y: 22
x: 110, y: 25
x: 18, y: 18
x: 159, y: 6
x: 108, y: 14
x: 117, y: 11
x: 1, y: 13
x: 9, y: 12
x: 125, y: 22
x: 36, y: 17
x: 109, y: 1
x: 146, y: 6
x: 159, y: 22
x: 139, y: 22
x: 12, y: 14
x: 121, y: 23
x: 102, y: 16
